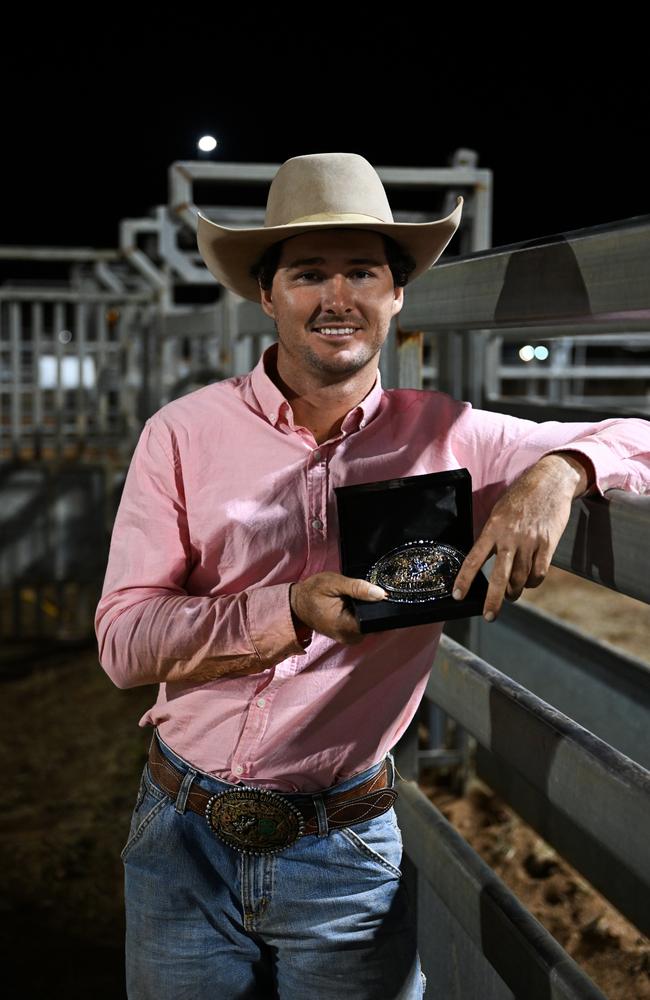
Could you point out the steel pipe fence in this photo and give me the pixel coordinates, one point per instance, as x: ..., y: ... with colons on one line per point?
x: 475, y: 937
x: 69, y: 373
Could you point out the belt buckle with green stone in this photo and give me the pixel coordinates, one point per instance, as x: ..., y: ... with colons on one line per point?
x: 254, y: 820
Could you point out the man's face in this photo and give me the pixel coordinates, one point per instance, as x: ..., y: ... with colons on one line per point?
x: 332, y: 300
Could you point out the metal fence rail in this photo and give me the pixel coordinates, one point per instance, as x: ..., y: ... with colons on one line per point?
x: 588, y: 282
x: 607, y: 540
x: 600, y: 274
x: 68, y: 364
x: 585, y: 797
x: 52, y: 549
x: 601, y: 688
x: 475, y: 938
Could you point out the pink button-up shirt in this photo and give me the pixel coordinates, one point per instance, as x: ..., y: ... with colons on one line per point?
x: 227, y: 502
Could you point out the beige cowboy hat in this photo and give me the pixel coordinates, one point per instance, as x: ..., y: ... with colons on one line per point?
x: 319, y: 191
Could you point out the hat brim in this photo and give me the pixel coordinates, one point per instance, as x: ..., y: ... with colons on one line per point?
x: 230, y: 253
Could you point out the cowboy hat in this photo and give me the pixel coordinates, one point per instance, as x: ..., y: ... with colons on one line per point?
x: 319, y: 191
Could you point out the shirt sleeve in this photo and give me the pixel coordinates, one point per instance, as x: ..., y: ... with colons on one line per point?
x: 497, y: 448
x: 149, y: 629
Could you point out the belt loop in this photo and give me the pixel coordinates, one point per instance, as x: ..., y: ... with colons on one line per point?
x: 390, y: 761
x: 321, y: 815
x: 184, y: 791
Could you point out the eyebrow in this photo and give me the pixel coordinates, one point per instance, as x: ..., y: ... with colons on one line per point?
x: 308, y: 261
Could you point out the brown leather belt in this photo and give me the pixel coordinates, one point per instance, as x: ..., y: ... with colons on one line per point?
x: 259, y: 821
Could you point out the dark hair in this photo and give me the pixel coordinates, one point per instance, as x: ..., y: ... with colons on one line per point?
x: 399, y: 261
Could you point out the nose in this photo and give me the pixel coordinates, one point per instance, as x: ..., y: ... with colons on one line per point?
x: 337, y: 295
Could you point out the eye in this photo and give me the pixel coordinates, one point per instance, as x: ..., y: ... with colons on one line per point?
x: 308, y: 275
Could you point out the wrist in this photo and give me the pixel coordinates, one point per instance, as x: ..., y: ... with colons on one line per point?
x: 575, y: 468
x: 303, y: 631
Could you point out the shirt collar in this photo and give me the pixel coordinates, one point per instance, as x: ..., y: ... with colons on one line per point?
x: 276, y: 408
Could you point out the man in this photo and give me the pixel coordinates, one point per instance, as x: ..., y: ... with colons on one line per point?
x: 264, y: 852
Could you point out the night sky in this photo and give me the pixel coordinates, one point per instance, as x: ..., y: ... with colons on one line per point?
x: 93, y: 114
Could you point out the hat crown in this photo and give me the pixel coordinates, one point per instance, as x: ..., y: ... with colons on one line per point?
x: 326, y: 184
x: 312, y: 193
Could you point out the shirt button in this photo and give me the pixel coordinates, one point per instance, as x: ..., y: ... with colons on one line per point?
x: 239, y: 769
x: 261, y: 702
x: 317, y: 456
x: 316, y: 523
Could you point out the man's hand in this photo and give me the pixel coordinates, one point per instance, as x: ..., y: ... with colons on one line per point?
x: 523, y: 530
x: 319, y: 602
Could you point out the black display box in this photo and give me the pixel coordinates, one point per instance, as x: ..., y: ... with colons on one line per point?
x: 377, y: 517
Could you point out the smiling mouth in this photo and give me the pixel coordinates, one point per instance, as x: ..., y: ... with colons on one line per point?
x: 332, y: 331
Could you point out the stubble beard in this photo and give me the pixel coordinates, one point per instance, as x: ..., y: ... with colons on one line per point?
x: 313, y: 361
x: 338, y: 366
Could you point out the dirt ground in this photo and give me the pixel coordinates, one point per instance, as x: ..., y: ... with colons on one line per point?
x: 63, y: 822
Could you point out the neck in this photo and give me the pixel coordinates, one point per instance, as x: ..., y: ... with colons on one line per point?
x: 319, y: 407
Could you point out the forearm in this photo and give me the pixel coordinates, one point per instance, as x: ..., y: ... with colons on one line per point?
x: 174, y: 638
x: 149, y: 629
x: 498, y: 449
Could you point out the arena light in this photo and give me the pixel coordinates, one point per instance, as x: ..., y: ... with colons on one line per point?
x: 541, y: 352
x: 527, y: 353
x: 207, y: 143
x: 69, y: 372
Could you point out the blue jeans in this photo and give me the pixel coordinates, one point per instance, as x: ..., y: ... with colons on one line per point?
x: 326, y: 917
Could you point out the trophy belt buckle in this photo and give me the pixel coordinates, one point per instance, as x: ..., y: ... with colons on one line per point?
x: 423, y: 570
x: 254, y: 820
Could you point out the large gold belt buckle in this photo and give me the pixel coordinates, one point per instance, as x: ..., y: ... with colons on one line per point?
x: 254, y: 820
x: 417, y: 571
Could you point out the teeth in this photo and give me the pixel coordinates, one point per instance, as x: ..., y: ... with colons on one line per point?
x: 335, y: 331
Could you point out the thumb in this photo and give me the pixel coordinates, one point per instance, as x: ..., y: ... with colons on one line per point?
x: 363, y: 590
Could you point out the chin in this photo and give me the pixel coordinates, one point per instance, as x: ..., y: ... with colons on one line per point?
x: 347, y: 367
x: 340, y: 363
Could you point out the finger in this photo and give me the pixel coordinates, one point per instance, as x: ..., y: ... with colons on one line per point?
x: 340, y: 625
x: 519, y: 574
x: 361, y: 590
x: 498, y: 582
x: 513, y: 593
x: 539, y: 569
x: 477, y: 555
x: 349, y: 632
x: 352, y: 638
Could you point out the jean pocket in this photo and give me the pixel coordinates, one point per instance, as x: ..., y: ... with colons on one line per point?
x: 150, y: 801
x: 379, y: 840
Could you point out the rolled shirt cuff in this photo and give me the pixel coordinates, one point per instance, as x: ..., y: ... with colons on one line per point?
x: 604, y: 474
x: 270, y: 624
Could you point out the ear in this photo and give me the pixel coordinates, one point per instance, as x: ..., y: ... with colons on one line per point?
x: 266, y: 301
x: 398, y: 301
